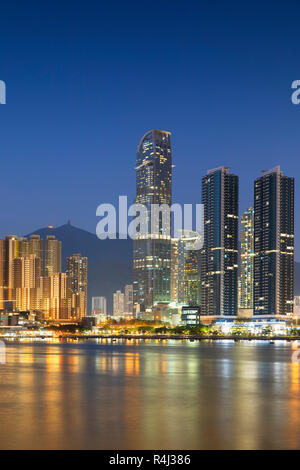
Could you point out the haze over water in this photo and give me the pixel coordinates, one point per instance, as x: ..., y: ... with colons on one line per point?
x: 150, y: 395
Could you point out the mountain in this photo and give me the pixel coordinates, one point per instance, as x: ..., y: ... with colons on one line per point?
x: 109, y: 261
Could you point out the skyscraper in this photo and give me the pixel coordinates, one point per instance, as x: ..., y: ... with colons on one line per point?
x: 188, y: 269
x: 77, y: 272
x: 23, y: 247
x: 219, y: 258
x: 26, y: 282
x: 247, y: 260
x: 33, y: 246
x: 128, y: 299
x: 56, y: 297
x: 174, y: 270
x: 52, y: 255
x: 36, y: 247
x: 273, y: 243
x: 152, y: 253
x: 118, y: 303
x: 11, y: 251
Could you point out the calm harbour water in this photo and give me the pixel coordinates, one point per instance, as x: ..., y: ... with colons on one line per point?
x: 150, y: 395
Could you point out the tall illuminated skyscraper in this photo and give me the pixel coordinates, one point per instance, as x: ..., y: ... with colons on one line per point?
x: 128, y: 299
x: 52, y: 255
x: 152, y: 254
x: 56, y: 297
x: 77, y: 272
x: 273, y: 243
x: 33, y: 246
x: 26, y: 282
x: 118, y: 300
x: 23, y: 247
x: 36, y: 247
x: 188, y: 269
x: 174, y: 270
x: 247, y: 260
x: 219, y: 259
x: 11, y: 251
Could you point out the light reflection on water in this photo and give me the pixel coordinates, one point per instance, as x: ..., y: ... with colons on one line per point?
x: 150, y: 394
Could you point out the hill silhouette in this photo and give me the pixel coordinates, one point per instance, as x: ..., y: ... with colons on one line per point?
x: 109, y: 261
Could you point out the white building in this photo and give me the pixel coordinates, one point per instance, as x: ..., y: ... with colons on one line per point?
x: 128, y: 299
x: 118, y: 303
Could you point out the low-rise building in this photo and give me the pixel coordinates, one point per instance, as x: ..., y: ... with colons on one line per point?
x: 190, y: 315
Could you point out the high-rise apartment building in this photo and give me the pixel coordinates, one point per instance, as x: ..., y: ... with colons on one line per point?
x: 52, y: 255
x: 33, y: 246
x: 77, y: 272
x: 56, y: 297
x: 11, y: 251
x: 152, y: 252
x: 247, y: 260
x: 219, y: 258
x: 174, y: 270
x: 188, y: 269
x: 26, y: 282
x: 128, y: 299
x: 23, y: 248
x: 118, y: 301
x: 25, y: 285
x: 273, y: 243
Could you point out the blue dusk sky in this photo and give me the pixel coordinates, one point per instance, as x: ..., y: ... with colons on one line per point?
x: 86, y: 80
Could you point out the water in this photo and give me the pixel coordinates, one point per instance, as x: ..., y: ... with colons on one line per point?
x: 150, y: 395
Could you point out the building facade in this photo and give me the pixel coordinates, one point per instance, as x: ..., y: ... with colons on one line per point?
x: 273, y: 244
x: 56, y: 299
x: 26, y: 282
x: 77, y: 272
x: 128, y: 299
x: 247, y: 260
x: 152, y: 253
x: 11, y: 251
x: 118, y: 303
x: 188, y: 269
x: 219, y: 257
x: 191, y: 316
x: 52, y: 255
x: 28, y: 285
x: 174, y: 270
